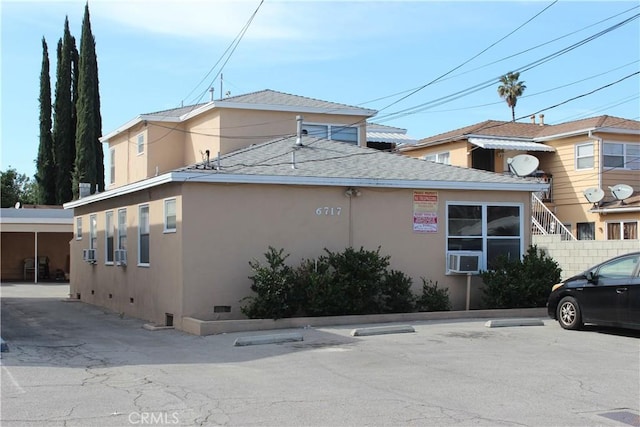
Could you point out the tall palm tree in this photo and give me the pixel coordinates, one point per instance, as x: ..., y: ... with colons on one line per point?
x: 510, y: 89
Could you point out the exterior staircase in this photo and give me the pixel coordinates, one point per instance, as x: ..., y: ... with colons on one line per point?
x: 543, y: 221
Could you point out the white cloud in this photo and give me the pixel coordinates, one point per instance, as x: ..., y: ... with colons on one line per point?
x: 201, y: 19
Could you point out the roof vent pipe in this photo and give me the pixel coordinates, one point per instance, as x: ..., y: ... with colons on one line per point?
x: 211, y: 94
x: 299, y: 131
x: 533, y: 119
x: 541, y: 119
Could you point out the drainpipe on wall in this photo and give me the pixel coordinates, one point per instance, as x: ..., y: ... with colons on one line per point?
x: 600, y: 156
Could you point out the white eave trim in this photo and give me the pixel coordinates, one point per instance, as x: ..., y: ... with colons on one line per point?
x: 470, y: 136
x: 210, y: 177
x: 64, y: 221
x: 140, y: 119
x: 125, y: 189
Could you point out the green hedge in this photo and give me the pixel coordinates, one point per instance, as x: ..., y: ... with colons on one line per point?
x: 336, y: 283
x: 520, y: 284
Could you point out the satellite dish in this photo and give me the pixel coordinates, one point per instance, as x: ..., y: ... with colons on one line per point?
x: 523, y: 164
x: 621, y: 191
x: 594, y: 195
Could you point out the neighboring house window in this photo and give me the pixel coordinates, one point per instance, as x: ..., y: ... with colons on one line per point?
x: 586, y: 230
x: 170, y: 215
x: 79, y: 228
x: 112, y: 163
x: 584, y: 156
x: 122, y: 229
x: 140, y: 143
x: 342, y: 133
x: 439, y: 158
x: 622, y: 230
x: 108, y: 229
x: 493, y: 229
x: 143, y: 235
x: 93, y: 232
x: 626, y: 156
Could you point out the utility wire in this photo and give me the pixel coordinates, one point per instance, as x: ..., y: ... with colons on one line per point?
x: 468, y: 60
x: 426, y: 105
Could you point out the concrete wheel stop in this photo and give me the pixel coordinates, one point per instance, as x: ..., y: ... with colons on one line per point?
x: 380, y: 330
x: 268, y: 339
x: 501, y: 323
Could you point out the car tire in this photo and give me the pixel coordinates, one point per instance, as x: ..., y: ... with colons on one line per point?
x: 569, y: 314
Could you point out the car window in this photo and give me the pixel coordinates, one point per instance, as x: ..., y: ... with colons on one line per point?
x: 619, y: 268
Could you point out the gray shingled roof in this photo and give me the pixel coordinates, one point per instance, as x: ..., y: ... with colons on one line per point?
x: 265, y: 97
x: 502, y: 129
x: 272, y: 97
x: 321, y: 158
x: 176, y: 112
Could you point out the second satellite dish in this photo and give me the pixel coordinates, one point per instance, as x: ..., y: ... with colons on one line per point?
x: 523, y: 164
x: 621, y: 191
x: 594, y: 195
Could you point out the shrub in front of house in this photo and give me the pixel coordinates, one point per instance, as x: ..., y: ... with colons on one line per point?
x: 337, y: 283
x: 432, y: 297
x: 522, y: 283
x: 275, y: 287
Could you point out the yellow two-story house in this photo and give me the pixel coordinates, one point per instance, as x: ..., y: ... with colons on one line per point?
x: 592, y: 166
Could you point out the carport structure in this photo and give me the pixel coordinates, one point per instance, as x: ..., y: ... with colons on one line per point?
x: 35, y: 243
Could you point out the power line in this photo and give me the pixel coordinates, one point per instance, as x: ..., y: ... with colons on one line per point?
x: 442, y: 100
x: 468, y: 60
x: 506, y: 57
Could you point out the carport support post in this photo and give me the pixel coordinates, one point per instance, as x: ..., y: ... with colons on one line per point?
x: 36, y: 265
x: 468, y: 289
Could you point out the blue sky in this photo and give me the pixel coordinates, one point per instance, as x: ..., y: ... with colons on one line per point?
x: 154, y: 55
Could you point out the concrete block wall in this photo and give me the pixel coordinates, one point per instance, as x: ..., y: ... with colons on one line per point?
x: 575, y: 256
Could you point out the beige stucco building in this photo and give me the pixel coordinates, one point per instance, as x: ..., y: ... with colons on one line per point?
x: 576, y: 158
x: 175, y: 241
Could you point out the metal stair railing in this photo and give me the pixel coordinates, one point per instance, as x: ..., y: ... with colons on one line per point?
x: 543, y: 221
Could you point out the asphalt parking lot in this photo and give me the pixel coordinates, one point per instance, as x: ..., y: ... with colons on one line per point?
x: 72, y: 364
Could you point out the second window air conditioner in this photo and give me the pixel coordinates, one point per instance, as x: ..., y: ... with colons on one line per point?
x: 89, y: 255
x: 121, y: 257
x: 464, y: 262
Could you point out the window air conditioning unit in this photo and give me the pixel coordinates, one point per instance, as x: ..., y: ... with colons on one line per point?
x: 464, y: 262
x: 121, y: 257
x: 89, y: 255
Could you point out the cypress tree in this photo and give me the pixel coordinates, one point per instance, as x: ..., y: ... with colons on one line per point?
x: 89, y: 154
x: 63, y: 130
x: 74, y: 99
x: 45, y: 173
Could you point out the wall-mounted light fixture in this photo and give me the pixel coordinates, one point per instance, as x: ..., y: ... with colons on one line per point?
x: 352, y: 192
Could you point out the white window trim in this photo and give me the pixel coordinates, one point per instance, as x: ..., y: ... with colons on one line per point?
x: 620, y: 222
x: 117, y: 245
x: 106, y: 237
x: 625, y: 157
x: 165, y: 229
x: 112, y: 166
x: 139, y: 145
x: 93, y: 231
x: 79, y: 228
x: 329, y: 130
x: 437, y: 157
x: 140, y: 207
x: 484, y: 236
x: 576, y: 157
